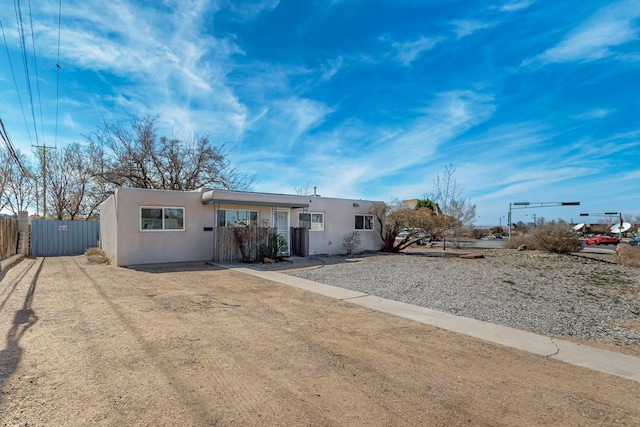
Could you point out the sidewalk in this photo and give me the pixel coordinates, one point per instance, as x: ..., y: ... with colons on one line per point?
x: 609, y: 362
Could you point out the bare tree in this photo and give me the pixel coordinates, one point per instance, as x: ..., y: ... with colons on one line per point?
x: 140, y: 158
x: 304, y: 191
x: 5, y: 177
x: 70, y: 178
x: 18, y: 185
x: 456, y: 210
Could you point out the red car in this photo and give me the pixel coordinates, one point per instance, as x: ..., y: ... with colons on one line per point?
x: 602, y: 240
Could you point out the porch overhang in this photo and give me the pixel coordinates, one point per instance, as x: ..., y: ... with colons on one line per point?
x: 254, y: 199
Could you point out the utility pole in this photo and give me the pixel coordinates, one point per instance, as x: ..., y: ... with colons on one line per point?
x: 43, y: 149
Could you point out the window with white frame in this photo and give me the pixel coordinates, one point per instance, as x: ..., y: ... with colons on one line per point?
x: 236, y: 218
x: 314, y: 221
x: 364, y: 222
x: 161, y: 218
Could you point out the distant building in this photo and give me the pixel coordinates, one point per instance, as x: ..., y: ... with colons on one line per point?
x: 411, y: 203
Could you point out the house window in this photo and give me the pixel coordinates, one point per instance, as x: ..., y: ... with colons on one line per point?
x: 237, y: 218
x: 364, y: 222
x: 314, y: 221
x: 152, y: 219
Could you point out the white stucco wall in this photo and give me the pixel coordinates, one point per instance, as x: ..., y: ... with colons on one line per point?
x: 109, y: 228
x: 133, y: 246
x: 339, y: 220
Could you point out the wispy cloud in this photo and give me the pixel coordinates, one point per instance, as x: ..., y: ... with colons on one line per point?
x: 596, y: 113
x: 513, y: 6
x: 409, y: 51
x: 466, y: 27
x: 385, y: 150
x: 153, y: 60
x: 593, y: 40
x: 250, y: 9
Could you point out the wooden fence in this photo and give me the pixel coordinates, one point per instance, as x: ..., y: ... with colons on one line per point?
x: 8, y: 237
x: 300, y: 241
x: 226, y: 245
x: 226, y: 248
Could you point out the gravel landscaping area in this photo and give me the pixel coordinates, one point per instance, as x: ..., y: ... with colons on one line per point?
x: 570, y: 296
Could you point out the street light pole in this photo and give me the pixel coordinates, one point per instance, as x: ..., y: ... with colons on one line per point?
x: 524, y: 205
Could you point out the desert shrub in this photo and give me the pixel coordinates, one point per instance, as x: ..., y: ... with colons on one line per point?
x: 96, y: 256
x: 516, y: 241
x: 478, y: 233
x: 274, y: 248
x: 351, y: 242
x: 496, y: 230
x: 556, y: 237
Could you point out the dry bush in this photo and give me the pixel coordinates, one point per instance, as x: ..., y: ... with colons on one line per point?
x: 351, y: 242
x: 628, y: 255
x: 96, y: 256
x: 556, y: 237
x: 516, y: 241
x: 477, y: 233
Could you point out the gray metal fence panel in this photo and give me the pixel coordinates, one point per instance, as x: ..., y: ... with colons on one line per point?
x: 60, y: 238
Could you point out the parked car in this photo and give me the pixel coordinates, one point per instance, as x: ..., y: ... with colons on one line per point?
x: 418, y: 233
x: 496, y: 236
x: 602, y: 239
x: 635, y: 241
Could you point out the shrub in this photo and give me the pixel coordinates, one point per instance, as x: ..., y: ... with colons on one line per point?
x: 496, y: 230
x: 556, y: 237
x: 96, y: 256
x: 478, y: 233
x: 274, y: 248
x: 351, y: 241
x: 247, y: 238
x: 516, y: 241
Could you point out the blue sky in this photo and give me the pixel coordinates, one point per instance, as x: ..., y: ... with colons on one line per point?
x: 529, y: 100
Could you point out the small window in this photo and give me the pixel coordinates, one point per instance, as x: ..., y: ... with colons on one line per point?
x: 222, y: 218
x: 173, y: 219
x: 314, y: 221
x: 152, y: 219
x: 236, y: 218
x: 364, y: 222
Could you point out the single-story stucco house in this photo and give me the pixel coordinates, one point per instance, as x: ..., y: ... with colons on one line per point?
x: 141, y: 226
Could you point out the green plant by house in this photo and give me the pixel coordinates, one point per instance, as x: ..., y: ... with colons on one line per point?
x: 275, y: 248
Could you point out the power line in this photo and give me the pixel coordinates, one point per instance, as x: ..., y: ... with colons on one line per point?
x: 25, y: 62
x: 35, y: 66
x: 58, y: 71
x: 15, y: 82
x: 12, y: 151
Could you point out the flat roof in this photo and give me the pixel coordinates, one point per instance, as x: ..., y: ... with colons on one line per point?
x: 254, y: 199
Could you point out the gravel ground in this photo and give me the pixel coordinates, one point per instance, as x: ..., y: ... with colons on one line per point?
x: 568, y: 296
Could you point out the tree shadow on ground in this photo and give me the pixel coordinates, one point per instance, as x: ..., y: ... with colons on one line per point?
x: 24, y: 319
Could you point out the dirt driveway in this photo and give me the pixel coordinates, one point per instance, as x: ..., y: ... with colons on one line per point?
x: 87, y: 345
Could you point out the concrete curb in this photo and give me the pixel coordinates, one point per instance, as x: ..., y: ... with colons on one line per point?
x: 8, y: 262
x: 605, y: 361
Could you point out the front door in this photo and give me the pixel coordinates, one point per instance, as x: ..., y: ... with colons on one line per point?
x: 281, y: 220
